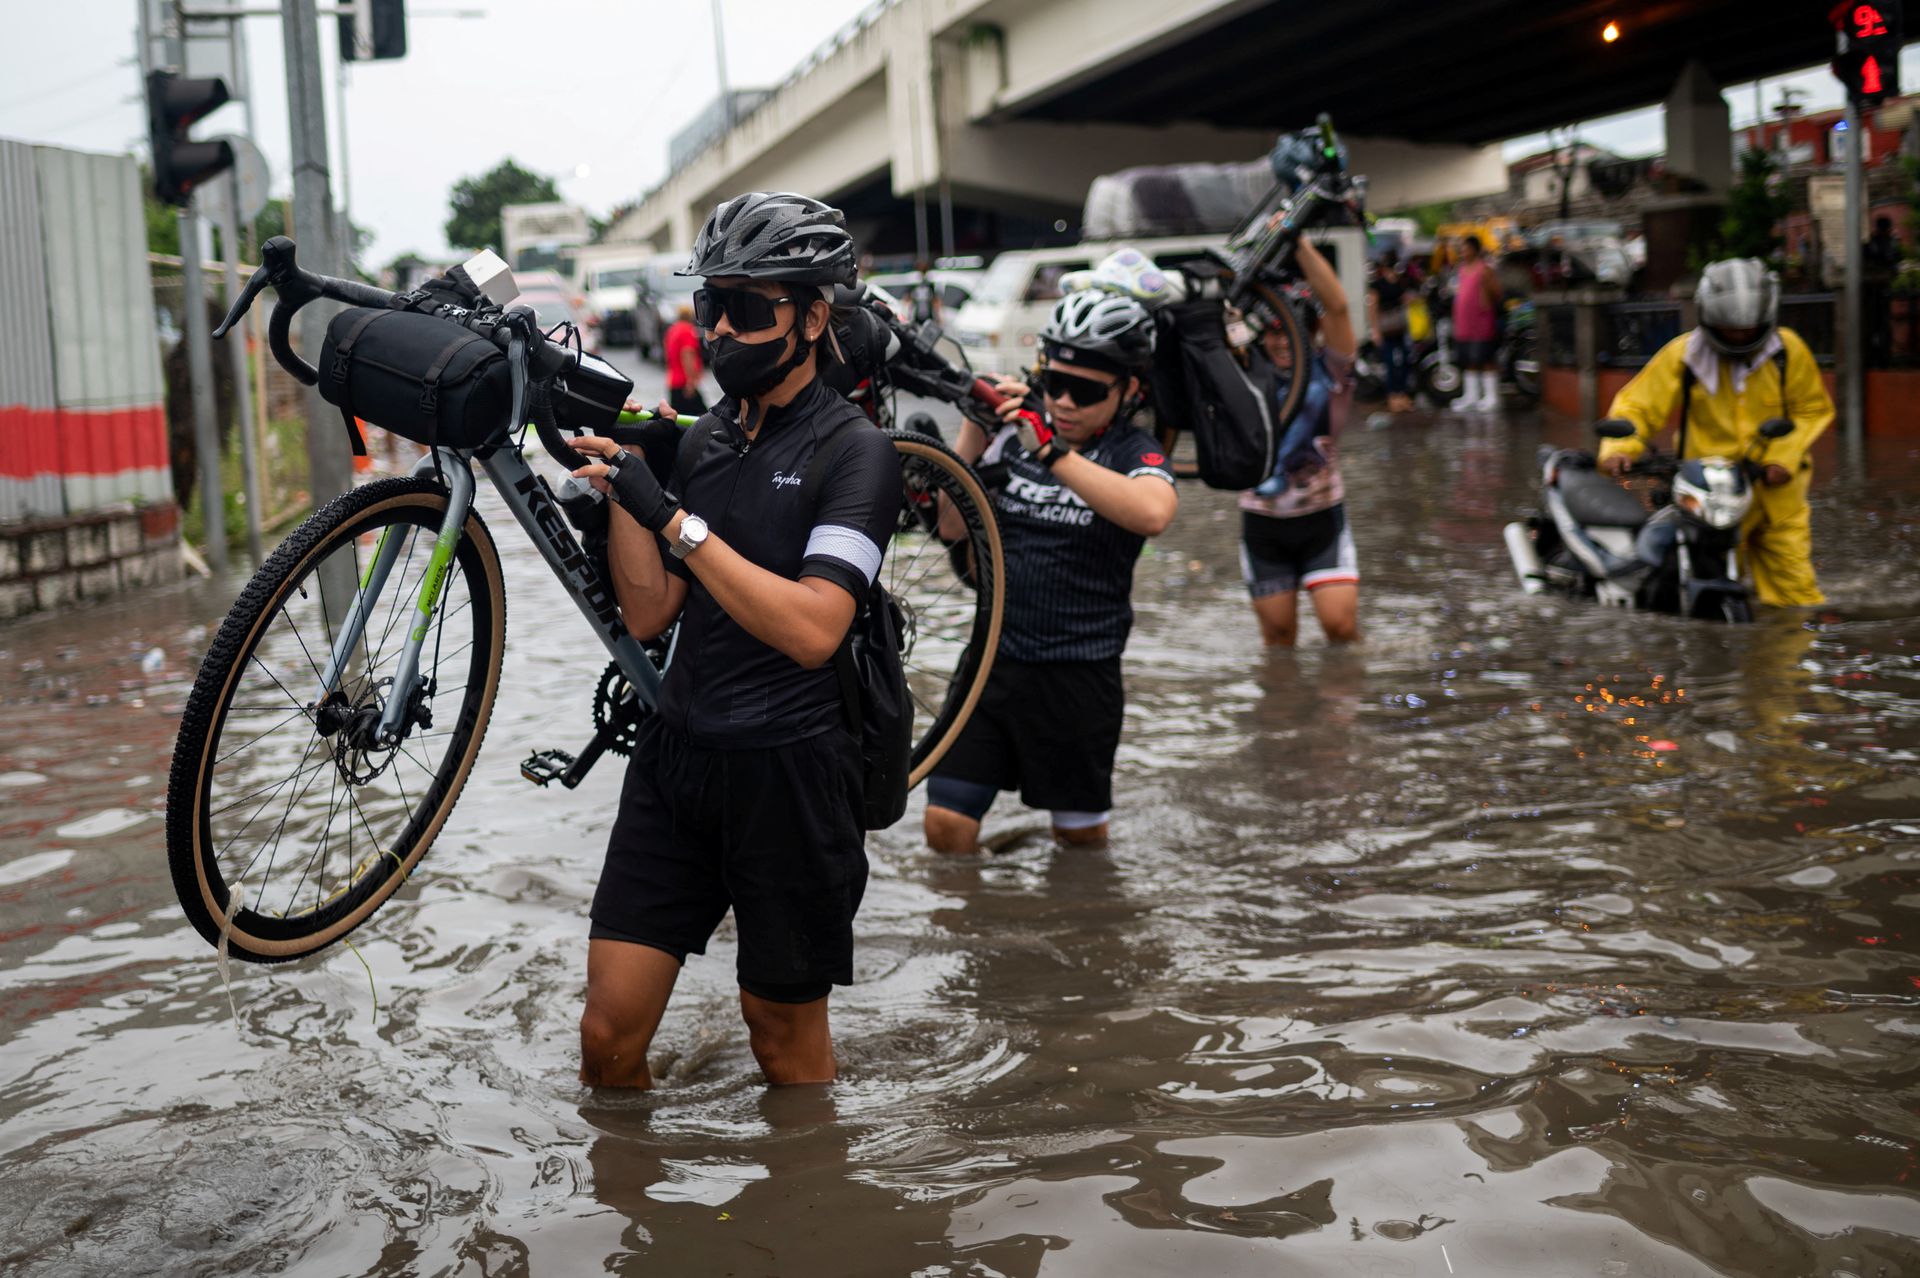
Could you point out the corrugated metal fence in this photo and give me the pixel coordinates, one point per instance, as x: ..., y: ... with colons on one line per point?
x: 29, y: 453
x: 82, y: 423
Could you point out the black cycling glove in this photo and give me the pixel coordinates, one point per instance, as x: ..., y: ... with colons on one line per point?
x: 639, y: 493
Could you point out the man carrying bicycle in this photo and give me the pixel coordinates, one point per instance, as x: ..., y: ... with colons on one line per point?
x: 1079, y: 490
x: 744, y: 789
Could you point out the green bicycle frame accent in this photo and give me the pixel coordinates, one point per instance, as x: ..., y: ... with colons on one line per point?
x: 436, y: 576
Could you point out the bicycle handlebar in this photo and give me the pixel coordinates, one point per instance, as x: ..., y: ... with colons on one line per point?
x: 294, y: 288
x: 922, y: 369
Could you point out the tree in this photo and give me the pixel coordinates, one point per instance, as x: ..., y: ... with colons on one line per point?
x: 473, y: 207
x: 1754, y: 209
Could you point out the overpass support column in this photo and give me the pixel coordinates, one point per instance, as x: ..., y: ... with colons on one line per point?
x: 1699, y: 132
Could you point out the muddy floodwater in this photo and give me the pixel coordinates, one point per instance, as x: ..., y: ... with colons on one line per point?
x: 1524, y: 940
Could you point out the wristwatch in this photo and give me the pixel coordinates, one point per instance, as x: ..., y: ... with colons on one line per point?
x: 693, y: 535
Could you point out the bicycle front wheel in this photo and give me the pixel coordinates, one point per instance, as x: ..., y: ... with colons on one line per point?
x: 288, y: 822
x: 945, y: 570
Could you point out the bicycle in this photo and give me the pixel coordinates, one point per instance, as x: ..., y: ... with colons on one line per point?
x: 341, y: 705
x: 1254, y: 273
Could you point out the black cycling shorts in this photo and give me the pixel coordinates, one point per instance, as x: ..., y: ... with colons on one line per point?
x: 1048, y: 730
x: 774, y: 834
x: 1302, y: 552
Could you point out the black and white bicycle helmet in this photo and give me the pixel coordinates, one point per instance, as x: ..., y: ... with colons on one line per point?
x: 775, y: 235
x: 1099, y: 327
x: 1737, y: 293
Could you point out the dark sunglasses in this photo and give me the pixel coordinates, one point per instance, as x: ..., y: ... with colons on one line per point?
x: 748, y: 311
x: 1085, y: 392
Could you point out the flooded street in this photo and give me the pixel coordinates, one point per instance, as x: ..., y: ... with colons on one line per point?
x: 1525, y: 939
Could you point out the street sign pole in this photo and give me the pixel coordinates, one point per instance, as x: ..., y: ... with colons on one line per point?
x: 1853, y: 388
x: 206, y: 432
x: 328, y: 458
x: 236, y: 342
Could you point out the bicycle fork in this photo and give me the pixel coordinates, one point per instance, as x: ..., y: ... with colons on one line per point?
x: 406, y: 678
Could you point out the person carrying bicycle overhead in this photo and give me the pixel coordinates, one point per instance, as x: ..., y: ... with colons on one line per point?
x: 1293, y: 527
x: 1080, y: 488
x: 744, y: 789
x: 1738, y: 369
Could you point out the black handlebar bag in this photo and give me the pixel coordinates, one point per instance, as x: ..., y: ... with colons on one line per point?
x: 1200, y: 386
x: 422, y: 377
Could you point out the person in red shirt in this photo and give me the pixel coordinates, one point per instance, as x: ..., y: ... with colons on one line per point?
x: 684, y: 370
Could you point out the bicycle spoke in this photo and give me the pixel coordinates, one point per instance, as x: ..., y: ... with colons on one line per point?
x: 299, y: 711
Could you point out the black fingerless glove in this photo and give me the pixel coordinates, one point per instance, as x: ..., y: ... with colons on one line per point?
x: 639, y: 493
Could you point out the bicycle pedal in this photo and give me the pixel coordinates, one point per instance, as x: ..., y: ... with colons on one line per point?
x: 543, y: 767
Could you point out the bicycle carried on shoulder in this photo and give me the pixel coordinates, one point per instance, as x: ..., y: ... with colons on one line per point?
x: 1256, y: 272
x: 341, y: 705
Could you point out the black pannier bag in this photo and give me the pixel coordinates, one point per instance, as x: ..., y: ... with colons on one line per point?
x: 873, y: 689
x: 1200, y: 387
x: 872, y: 675
x: 422, y: 377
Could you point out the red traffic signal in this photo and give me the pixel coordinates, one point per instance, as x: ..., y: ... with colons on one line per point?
x: 180, y: 163
x: 1868, y: 37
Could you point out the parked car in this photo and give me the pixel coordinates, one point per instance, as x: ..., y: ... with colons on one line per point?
x: 1000, y: 324
x: 954, y: 288
x: 618, y: 300
x: 667, y: 292
x: 553, y: 300
x: 1569, y: 253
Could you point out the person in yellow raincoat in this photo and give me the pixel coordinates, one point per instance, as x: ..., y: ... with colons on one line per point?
x: 1738, y: 369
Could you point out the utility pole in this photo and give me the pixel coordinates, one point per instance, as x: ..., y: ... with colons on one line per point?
x: 720, y: 66
x: 206, y: 431
x: 1853, y: 385
x: 236, y: 343
x: 328, y: 456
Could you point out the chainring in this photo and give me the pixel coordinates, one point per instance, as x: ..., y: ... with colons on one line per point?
x: 624, y: 712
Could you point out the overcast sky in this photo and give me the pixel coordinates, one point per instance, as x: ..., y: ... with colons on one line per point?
x: 587, y: 91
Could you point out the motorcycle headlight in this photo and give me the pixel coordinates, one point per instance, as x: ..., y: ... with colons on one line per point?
x: 1724, y: 510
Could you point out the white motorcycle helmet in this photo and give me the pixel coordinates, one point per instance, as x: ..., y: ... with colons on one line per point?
x: 1738, y: 295
x: 1713, y: 491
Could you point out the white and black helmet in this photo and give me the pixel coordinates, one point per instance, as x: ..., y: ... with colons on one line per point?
x: 1101, y: 327
x: 775, y: 235
x: 1738, y: 293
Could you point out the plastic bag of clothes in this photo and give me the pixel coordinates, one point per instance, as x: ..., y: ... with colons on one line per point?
x: 1173, y: 199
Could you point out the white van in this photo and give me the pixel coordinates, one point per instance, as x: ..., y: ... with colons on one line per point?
x: 999, y: 327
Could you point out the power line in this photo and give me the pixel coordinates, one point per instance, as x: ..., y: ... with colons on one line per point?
x: 102, y: 114
x: 117, y: 68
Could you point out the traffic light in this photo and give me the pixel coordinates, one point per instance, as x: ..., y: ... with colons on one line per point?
x: 179, y: 163
x: 385, y: 24
x: 1868, y: 40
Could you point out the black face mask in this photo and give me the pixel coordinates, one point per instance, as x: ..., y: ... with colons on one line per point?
x: 748, y: 370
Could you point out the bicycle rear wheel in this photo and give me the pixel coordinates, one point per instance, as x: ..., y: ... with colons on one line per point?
x: 287, y: 826
x: 1283, y: 321
x: 948, y: 578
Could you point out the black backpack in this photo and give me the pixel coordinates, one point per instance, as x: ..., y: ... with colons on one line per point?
x: 873, y: 678
x: 1200, y: 387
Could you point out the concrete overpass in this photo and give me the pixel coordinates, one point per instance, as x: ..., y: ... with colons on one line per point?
x: 986, y: 119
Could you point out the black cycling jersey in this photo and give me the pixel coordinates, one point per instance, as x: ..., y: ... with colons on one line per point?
x: 725, y: 688
x: 1069, y: 571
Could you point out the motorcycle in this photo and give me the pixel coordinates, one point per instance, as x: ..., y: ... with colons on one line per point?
x: 1582, y: 543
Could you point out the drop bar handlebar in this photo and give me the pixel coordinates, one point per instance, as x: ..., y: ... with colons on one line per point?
x: 294, y: 288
